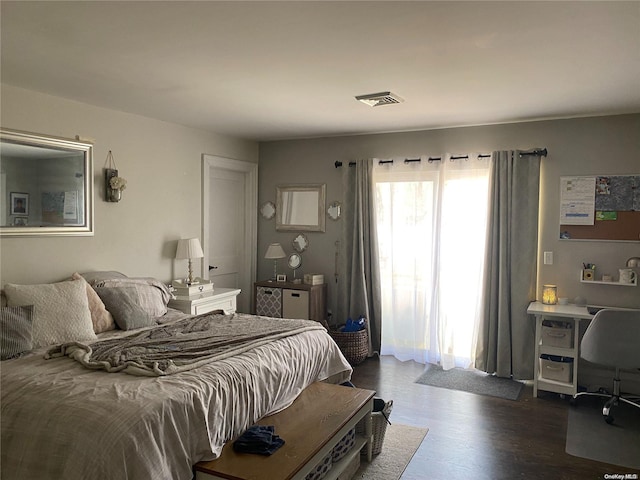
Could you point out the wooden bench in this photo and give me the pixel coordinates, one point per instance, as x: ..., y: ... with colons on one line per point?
x: 316, y: 421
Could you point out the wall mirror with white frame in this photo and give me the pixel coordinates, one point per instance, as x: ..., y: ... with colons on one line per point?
x: 300, y: 208
x: 46, y: 185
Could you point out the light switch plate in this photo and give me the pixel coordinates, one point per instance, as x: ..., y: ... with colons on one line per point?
x: 548, y: 258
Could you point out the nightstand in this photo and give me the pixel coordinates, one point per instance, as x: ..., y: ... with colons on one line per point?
x: 220, y: 299
x: 290, y: 300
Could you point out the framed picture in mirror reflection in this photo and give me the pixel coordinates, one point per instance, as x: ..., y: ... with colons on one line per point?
x: 19, y: 203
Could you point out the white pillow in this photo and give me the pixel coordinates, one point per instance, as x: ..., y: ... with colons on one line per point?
x: 61, y: 311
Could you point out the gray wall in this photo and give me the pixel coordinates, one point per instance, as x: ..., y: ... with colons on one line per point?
x: 162, y: 163
x: 584, y: 146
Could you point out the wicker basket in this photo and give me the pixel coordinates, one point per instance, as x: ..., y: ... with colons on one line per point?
x: 379, y: 422
x: 353, y: 345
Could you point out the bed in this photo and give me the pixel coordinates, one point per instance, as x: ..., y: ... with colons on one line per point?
x: 67, y: 415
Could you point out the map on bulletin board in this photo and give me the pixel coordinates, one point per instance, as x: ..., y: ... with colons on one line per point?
x: 602, y: 207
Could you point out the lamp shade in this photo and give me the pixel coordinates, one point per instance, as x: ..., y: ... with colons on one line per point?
x: 189, y: 248
x: 275, y: 251
x: 549, y: 294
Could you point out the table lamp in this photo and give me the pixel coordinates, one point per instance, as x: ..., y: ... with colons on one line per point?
x: 274, y: 252
x: 549, y: 294
x: 189, y: 248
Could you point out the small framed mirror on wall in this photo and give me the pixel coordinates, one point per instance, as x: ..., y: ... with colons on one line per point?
x: 268, y: 210
x: 300, y: 243
x: 46, y: 185
x: 300, y: 208
x: 334, y: 211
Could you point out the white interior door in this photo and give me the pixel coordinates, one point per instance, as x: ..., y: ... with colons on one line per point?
x: 229, y: 225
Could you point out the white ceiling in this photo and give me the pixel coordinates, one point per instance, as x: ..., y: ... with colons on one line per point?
x: 278, y: 70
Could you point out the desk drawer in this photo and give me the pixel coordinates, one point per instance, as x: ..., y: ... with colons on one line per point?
x: 557, y: 334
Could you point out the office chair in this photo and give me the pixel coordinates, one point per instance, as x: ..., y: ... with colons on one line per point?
x: 613, y: 339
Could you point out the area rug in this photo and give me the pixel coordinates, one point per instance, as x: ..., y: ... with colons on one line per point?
x: 471, y: 381
x: 400, y: 444
x: 589, y: 436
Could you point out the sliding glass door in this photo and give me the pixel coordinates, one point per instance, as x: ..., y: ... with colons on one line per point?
x: 431, y: 225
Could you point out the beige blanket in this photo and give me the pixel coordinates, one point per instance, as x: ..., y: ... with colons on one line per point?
x: 183, y: 345
x: 62, y: 420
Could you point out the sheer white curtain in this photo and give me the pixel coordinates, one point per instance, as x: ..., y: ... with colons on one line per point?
x: 431, y: 224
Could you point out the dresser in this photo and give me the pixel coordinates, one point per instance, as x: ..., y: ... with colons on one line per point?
x: 290, y: 300
x: 219, y: 299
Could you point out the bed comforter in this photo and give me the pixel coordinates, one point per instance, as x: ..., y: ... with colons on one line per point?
x: 62, y: 420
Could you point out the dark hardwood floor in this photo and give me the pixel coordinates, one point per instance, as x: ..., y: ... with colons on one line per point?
x: 476, y: 437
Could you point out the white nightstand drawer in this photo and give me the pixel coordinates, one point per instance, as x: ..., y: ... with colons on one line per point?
x: 220, y: 299
x: 209, y: 307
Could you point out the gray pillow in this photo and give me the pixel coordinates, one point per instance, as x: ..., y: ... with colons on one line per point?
x: 15, y: 331
x: 94, y: 277
x: 124, y: 305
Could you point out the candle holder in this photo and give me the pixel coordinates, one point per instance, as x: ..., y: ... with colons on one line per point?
x: 549, y: 294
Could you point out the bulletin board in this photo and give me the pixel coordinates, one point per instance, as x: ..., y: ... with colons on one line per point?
x: 600, y: 207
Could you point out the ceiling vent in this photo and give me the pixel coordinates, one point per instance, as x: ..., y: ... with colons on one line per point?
x: 379, y: 99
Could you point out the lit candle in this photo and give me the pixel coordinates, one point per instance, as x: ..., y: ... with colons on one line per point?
x: 549, y: 294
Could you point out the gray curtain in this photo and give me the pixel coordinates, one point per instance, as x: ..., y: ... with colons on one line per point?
x: 358, y: 266
x: 506, y: 336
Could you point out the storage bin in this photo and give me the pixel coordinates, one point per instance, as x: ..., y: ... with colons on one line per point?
x: 295, y: 304
x: 557, y: 334
x: 269, y: 301
x: 321, y: 469
x: 557, y: 368
x: 343, y: 446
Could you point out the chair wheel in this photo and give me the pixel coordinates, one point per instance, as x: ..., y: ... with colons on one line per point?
x: 608, y: 419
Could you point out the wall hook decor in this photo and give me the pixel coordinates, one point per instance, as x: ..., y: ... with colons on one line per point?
x: 114, y: 185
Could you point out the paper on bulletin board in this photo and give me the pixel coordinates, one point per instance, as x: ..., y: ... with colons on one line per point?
x: 577, y: 200
x: 70, y: 207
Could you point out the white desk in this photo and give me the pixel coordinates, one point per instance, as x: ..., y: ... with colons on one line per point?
x: 567, y: 313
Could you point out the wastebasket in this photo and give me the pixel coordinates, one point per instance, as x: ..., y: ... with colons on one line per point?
x: 379, y: 421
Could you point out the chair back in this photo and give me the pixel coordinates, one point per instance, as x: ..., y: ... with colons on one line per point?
x: 613, y: 339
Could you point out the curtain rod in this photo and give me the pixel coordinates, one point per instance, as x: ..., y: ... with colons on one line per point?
x: 537, y: 152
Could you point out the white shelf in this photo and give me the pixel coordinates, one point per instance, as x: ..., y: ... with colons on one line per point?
x: 555, y: 386
x: 619, y: 284
x: 557, y: 351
